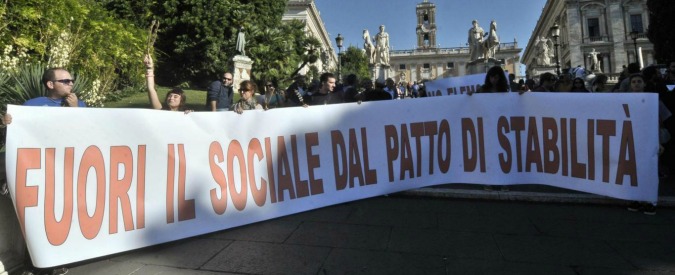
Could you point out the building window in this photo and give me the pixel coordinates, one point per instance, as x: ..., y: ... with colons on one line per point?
x: 451, y: 65
x: 593, y: 28
x: 426, y: 66
x: 636, y: 23
x: 401, y: 67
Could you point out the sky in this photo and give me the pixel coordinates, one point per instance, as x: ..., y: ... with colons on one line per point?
x: 515, y: 19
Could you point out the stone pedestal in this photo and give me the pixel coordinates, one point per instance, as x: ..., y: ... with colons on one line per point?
x: 481, y: 65
x: 536, y: 70
x: 381, y: 73
x: 242, y: 70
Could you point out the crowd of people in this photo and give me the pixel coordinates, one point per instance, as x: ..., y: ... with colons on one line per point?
x: 327, y: 90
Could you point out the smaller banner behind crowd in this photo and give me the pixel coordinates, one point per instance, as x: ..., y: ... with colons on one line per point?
x: 91, y: 182
x: 456, y: 85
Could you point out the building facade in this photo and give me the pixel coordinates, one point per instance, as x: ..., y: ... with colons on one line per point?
x: 306, y: 11
x: 428, y: 61
x: 590, y: 31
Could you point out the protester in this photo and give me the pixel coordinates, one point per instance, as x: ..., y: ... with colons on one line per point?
x: 522, y: 87
x: 546, y: 83
x: 350, y: 89
x: 637, y: 85
x: 373, y: 93
x: 175, y: 99
x: 220, y: 94
x: 564, y: 84
x: 495, y: 82
x: 325, y: 94
x: 579, y: 85
x: 624, y: 84
x: 247, y: 101
x: 579, y: 72
x: 296, y: 92
x: 391, y: 88
x: 513, y: 85
x: 271, y: 98
x: 531, y: 84
x: 59, y: 84
x: 599, y: 84
x: 415, y: 90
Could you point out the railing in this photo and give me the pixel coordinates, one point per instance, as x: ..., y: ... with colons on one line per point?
x: 591, y: 39
x: 454, y: 50
x: 642, y: 35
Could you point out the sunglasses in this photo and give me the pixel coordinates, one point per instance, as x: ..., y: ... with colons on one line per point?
x: 65, y: 81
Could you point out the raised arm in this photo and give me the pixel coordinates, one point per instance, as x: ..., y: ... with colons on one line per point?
x: 150, y: 80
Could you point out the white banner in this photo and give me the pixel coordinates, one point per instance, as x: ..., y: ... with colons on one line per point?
x: 455, y: 85
x: 91, y: 182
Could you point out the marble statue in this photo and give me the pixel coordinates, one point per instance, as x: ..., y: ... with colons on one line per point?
x: 491, y: 42
x: 544, y: 54
x: 595, y: 64
x: 241, y: 41
x: 382, y: 47
x: 475, y: 41
x: 369, y: 47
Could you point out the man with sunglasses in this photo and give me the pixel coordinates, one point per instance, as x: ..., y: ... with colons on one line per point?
x: 220, y: 94
x: 59, y: 86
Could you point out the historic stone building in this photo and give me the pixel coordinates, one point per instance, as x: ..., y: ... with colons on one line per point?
x: 589, y: 29
x: 428, y: 61
x: 305, y: 10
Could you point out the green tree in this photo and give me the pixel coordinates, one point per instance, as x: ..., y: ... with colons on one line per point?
x: 79, y: 35
x: 197, y: 38
x: 354, y: 61
x: 661, y: 26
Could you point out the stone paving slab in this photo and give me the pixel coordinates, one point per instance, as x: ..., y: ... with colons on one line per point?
x: 402, y: 218
x: 560, y: 251
x: 445, y: 243
x: 341, y: 235
x: 647, y: 255
x: 190, y: 253
x: 272, y: 231
x: 268, y: 258
x: 353, y: 261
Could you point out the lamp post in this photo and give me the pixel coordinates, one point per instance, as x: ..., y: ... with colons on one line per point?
x: 338, y: 41
x: 555, y: 33
x: 634, y: 36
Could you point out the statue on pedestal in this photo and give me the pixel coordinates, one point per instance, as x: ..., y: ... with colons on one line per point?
x: 475, y: 41
x: 241, y: 41
x: 369, y: 47
x: 544, y: 54
x: 491, y: 42
x: 382, y: 47
x: 595, y: 64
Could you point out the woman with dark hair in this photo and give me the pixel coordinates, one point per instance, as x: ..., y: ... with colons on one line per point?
x: 247, y: 100
x: 578, y: 85
x: 175, y: 99
x: 495, y: 81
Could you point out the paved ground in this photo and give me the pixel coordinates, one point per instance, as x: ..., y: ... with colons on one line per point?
x: 403, y: 234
